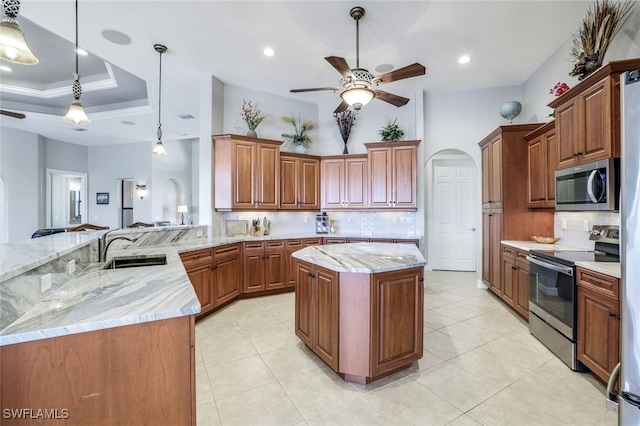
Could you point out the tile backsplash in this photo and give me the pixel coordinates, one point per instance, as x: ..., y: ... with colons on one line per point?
x: 574, y: 227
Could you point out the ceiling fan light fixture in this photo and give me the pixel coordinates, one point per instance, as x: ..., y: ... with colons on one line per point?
x: 13, y: 45
x: 357, y: 97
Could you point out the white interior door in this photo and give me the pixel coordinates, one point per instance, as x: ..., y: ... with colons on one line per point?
x: 454, y: 221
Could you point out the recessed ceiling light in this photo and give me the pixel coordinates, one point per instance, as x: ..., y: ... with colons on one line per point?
x: 268, y: 51
x: 128, y: 123
x: 382, y: 68
x: 5, y: 68
x: 116, y: 37
x: 464, y: 59
x: 81, y: 51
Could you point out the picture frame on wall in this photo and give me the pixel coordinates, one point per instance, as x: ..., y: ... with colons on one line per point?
x: 102, y: 198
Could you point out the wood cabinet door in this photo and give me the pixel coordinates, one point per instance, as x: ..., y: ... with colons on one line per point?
x: 268, y: 176
x: 289, y: 183
x: 291, y: 245
x: 201, y: 280
x: 550, y: 161
x: 327, y: 303
x: 226, y: 276
x: 309, y: 184
x: 537, y: 172
x: 486, y: 248
x: 495, y: 194
x: 356, y: 183
x: 509, y: 278
x: 305, y: 310
x: 396, y: 320
x: 404, y: 177
x: 332, y: 183
x: 521, y: 300
x: 243, y: 177
x: 253, y: 272
x: 598, y: 332
x: 275, y: 268
x: 568, y: 133
x: 495, y: 220
x: 486, y: 175
x: 597, y: 116
x: 380, y: 177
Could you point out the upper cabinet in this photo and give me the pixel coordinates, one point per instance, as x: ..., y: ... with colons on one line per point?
x: 542, y: 163
x: 492, y: 172
x: 247, y: 173
x: 344, y: 182
x: 588, y: 116
x: 393, y: 175
x: 299, y: 182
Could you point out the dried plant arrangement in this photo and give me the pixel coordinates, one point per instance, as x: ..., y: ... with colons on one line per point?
x: 345, y: 120
x: 598, y: 28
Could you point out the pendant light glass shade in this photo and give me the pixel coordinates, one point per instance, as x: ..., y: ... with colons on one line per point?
x: 76, y: 112
x: 357, y: 97
x: 13, y: 46
x: 158, y: 149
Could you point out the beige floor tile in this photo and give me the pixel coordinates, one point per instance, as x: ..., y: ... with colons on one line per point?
x: 227, y: 350
x: 454, y: 310
x: 485, y: 365
x: 504, y: 409
x: 291, y: 361
x: 559, y: 400
x: 385, y: 381
x: 496, y: 322
x: 435, y: 320
x: 357, y: 412
x: 407, y: 402
x: 609, y: 419
x: 238, y: 376
x: 515, y: 351
x: 204, y: 394
x: 445, y: 346
x: 470, y: 334
x: 317, y: 391
x: 428, y: 360
x: 214, y: 332
x: 273, y: 339
x: 441, y: 299
x: 584, y: 383
x: 207, y: 415
x: 266, y: 405
x: 464, y: 420
x: 460, y: 388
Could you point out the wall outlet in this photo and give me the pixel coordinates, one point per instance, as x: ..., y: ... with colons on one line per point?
x: 199, y: 233
x: 71, y: 266
x: 563, y: 223
x: 305, y: 219
x: 585, y: 226
x: 45, y: 283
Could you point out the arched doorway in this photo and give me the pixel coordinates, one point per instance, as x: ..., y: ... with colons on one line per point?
x: 452, y: 217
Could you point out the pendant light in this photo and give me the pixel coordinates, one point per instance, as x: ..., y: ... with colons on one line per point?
x: 76, y: 112
x: 13, y: 46
x: 159, y: 147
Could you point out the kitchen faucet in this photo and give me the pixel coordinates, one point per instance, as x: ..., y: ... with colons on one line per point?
x: 103, y: 253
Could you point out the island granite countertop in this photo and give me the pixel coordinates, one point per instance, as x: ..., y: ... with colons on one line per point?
x: 365, y: 258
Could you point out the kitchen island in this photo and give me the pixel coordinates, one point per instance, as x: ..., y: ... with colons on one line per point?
x: 359, y: 307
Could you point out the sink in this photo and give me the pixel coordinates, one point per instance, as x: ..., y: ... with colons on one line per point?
x: 135, y: 261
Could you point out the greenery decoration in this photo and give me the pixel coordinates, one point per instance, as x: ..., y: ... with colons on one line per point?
x: 391, y: 132
x: 251, y: 114
x: 299, y: 136
x: 598, y: 28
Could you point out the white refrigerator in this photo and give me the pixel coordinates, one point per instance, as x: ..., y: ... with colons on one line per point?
x: 629, y: 398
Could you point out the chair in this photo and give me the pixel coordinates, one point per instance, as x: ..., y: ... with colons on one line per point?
x: 140, y: 225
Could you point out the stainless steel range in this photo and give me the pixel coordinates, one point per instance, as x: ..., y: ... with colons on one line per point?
x: 552, y: 299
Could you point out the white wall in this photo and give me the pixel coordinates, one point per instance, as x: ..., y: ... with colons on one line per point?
x: 166, y: 169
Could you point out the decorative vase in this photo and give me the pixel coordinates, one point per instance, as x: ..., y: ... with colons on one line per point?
x: 346, y: 151
x: 300, y: 149
x: 252, y: 133
x: 510, y: 110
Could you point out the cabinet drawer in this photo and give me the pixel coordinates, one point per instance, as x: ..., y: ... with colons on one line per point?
x: 357, y: 240
x: 230, y: 249
x: 275, y: 244
x: 335, y: 240
x: 600, y: 283
x: 509, y: 252
x: 196, y: 258
x: 253, y: 246
x: 312, y: 242
x: 294, y: 244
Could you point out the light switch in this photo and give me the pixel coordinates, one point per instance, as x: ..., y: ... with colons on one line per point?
x: 563, y: 223
x: 45, y: 283
x: 585, y: 226
x: 71, y: 267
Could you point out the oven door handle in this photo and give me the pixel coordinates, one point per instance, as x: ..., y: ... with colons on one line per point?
x: 594, y: 198
x: 563, y: 269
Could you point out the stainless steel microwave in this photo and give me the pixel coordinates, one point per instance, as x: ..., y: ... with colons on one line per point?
x: 590, y: 186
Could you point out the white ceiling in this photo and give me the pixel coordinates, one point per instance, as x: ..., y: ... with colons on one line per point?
x: 507, y: 41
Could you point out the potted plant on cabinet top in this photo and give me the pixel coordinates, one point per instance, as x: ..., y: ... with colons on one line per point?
x: 252, y: 115
x: 391, y: 132
x: 299, y: 137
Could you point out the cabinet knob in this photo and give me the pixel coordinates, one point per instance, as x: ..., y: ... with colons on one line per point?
x: 612, y: 314
x: 214, y: 267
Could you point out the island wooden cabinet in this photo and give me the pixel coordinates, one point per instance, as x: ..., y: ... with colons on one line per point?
x: 246, y: 172
x: 345, y: 183
x: 393, y: 175
x: 542, y: 164
x: 291, y: 246
x: 264, y: 265
x: 598, y: 322
x: 588, y: 116
x: 317, y: 311
x: 198, y: 265
x: 505, y: 212
x: 138, y: 374
x: 299, y: 182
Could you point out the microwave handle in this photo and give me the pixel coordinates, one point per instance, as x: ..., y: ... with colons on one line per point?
x: 592, y: 176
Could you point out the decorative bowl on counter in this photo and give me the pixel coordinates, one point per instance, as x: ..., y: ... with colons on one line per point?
x: 545, y: 240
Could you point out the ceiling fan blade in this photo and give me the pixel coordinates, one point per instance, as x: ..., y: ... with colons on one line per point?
x: 340, y: 64
x: 12, y: 114
x: 342, y: 107
x: 409, y: 71
x: 391, y: 98
x: 314, y: 89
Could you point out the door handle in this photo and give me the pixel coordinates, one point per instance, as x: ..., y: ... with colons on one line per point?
x: 472, y: 229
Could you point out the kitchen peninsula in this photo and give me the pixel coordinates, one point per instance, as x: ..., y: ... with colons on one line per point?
x: 359, y: 307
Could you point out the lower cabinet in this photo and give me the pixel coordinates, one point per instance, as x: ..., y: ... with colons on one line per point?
x: 515, y: 280
x: 598, y: 322
x: 264, y: 265
x: 198, y: 265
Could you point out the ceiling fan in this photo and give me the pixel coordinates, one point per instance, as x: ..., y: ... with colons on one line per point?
x: 358, y: 86
x: 12, y: 114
